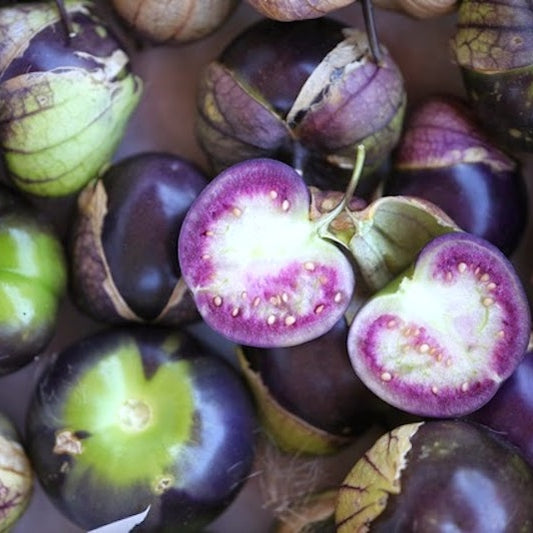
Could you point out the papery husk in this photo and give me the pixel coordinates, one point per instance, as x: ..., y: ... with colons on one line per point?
x: 420, y: 9
x: 287, y: 10
x: 94, y: 288
x: 177, y: 21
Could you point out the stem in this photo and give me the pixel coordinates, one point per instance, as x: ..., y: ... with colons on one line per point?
x: 326, y: 220
x: 65, y: 18
x: 373, y: 41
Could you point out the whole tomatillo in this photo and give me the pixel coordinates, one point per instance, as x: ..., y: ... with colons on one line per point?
x: 64, y: 99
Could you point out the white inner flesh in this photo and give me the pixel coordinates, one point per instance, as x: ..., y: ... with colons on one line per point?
x: 253, y: 242
x: 254, y: 238
x: 446, y: 337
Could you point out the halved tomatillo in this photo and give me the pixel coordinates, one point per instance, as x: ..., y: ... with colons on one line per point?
x: 440, y: 339
x: 261, y: 271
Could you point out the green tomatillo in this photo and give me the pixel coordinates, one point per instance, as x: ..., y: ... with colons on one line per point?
x: 32, y: 282
x: 64, y: 99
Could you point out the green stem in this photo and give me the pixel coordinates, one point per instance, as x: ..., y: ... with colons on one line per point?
x: 325, y: 221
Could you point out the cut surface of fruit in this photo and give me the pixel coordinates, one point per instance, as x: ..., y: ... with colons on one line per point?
x: 440, y: 339
x: 259, y: 270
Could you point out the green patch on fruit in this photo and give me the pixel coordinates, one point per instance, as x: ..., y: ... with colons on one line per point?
x: 23, y: 305
x: 129, y: 426
x: 31, y: 254
x: 32, y: 276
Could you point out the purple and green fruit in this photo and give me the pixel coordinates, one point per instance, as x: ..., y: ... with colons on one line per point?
x: 492, y: 46
x: 130, y: 419
x: 446, y: 157
x: 260, y: 270
x: 41, y: 87
x: 277, y: 91
x: 140, y: 420
x: 308, y: 397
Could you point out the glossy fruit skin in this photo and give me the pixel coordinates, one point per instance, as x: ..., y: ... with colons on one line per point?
x: 275, y: 91
x: 296, y: 376
x: 185, y: 449
x: 125, y: 236
x: 490, y: 206
x: 510, y: 411
x: 445, y: 156
x: 33, y: 276
x: 48, y: 52
x: 53, y: 142
x: 444, y: 475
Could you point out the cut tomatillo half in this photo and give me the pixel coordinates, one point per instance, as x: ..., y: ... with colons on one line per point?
x: 261, y: 272
x: 130, y: 419
x: 439, y: 339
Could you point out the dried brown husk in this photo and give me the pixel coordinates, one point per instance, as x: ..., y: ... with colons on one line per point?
x: 175, y: 20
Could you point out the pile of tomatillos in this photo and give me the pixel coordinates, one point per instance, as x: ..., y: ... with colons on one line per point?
x: 340, y: 264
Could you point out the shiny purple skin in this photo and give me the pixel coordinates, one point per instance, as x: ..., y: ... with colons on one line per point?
x: 260, y: 272
x: 491, y: 206
x: 46, y: 52
x: 272, y: 93
x: 278, y: 72
x: 510, y: 411
x: 298, y: 375
x: 445, y: 157
x: 147, y: 197
x: 439, y: 340
x: 206, y: 469
x: 462, y: 478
